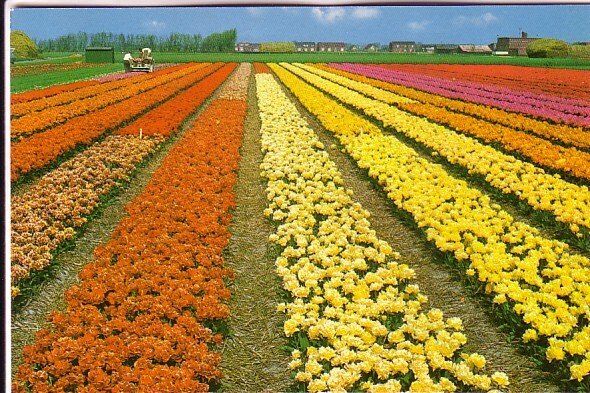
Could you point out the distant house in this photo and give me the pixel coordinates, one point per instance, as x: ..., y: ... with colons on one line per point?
x: 513, y: 46
x: 247, y: 47
x: 403, y: 47
x: 446, y: 48
x: 304, y: 46
x: 475, y: 49
x: 371, y: 48
x: 426, y: 48
x: 331, y: 46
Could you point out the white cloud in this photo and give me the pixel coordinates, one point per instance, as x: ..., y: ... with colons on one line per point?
x: 255, y: 11
x: 154, y: 25
x: 481, y: 20
x: 328, y: 15
x: 417, y: 26
x: 365, y: 12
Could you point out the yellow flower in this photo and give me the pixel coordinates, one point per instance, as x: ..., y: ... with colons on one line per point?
x: 530, y: 335
x: 555, y: 350
x: 313, y: 367
x: 303, y: 376
x: 396, y: 336
x: 447, y: 385
x: 296, y: 363
x: 477, y: 360
x: 317, y: 385
x: 579, y: 371
x: 500, y: 378
x: 332, y: 260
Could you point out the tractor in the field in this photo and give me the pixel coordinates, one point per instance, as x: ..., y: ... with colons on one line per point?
x: 145, y: 62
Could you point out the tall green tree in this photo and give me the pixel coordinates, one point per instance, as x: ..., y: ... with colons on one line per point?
x: 174, y: 42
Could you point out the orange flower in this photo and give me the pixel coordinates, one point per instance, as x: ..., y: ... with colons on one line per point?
x: 40, y: 149
x: 134, y: 322
x: 38, y: 116
x: 261, y: 68
x: 49, y: 91
x: 89, y: 90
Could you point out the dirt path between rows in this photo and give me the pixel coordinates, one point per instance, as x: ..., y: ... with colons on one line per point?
x: 442, y: 286
x: 32, y: 315
x: 252, y: 357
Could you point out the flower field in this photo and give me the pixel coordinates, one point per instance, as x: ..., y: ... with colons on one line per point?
x: 360, y: 172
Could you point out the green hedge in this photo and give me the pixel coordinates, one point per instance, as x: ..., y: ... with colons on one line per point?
x: 277, y: 47
x: 580, y: 51
x: 547, y: 48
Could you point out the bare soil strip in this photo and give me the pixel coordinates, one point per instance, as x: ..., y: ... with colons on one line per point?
x: 32, y: 316
x: 442, y: 285
x: 252, y: 356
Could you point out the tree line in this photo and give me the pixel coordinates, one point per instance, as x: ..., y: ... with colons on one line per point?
x: 175, y: 42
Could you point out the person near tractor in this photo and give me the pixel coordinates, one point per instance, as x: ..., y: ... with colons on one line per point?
x: 127, y: 61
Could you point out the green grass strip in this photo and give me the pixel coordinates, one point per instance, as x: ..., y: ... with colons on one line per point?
x: 30, y: 82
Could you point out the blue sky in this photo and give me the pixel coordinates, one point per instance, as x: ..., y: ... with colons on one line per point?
x: 352, y: 24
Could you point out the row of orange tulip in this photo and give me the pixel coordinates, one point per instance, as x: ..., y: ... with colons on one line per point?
x: 41, y: 149
x: 136, y: 321
x: 50, y: 91
x: 51, y: 211
x: 35, y: 122
x: 167, y: 118
x: 20, y: 109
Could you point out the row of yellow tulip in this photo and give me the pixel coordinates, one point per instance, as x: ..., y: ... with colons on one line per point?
x: 569, y: 202
x: 346, y: 287
x: 570, y: 135
x: 537, y: 278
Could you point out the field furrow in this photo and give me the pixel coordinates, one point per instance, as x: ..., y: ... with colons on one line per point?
x: 253, y: 356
